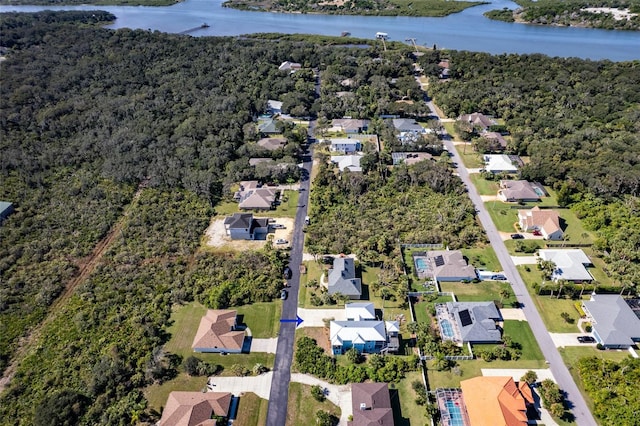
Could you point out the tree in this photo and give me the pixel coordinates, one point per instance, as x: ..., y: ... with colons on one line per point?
x: 63, y: 408
x: 317, y: 392
x: 324, y: 418
x: 530, y: 377
x: 259, y: 369
x: 190, y: 365
x: 354, y: 356
x: 504, y: 293
x: 239, y: 370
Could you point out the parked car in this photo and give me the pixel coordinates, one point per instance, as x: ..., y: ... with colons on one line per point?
x: 536, y: 233
x: 499, y: 277
x: 586, y: 339
x: 278, y: 226
x: 283, y: 295
x: 287, y: 273
x: 517, y: 236
x: 281, y: 241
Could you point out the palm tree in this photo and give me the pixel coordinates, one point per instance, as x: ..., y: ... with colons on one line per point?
x: 504, y: 293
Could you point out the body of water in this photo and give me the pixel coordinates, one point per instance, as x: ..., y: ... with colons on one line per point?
x: 468, y: 30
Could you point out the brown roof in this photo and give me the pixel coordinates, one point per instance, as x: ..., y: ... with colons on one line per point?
x: 547, y: 220
x: 477, y: 119
x: 261, y: 198
x: 517, y: 190
x: 371, y: 405
x: 195, y: 408
x: 496, y: 401
x: 216, y: 331
x: 272, y: 143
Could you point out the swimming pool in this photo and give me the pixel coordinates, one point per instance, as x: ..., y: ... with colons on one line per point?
x: 538, y: 191
x: 446, y: 328
x: 421, y: 264
x: 455, y: 413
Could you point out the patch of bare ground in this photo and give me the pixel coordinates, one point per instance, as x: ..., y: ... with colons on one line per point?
x: 216, y: 236
x: 321, y: 336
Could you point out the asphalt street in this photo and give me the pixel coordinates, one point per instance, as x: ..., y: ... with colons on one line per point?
x: 560, y: 372
x: 279, y: 395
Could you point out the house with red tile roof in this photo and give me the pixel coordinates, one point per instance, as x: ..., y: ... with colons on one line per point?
x: 218, y: 333
x: 546, y: 221
x: 195, y: 408
x: 496, y: 401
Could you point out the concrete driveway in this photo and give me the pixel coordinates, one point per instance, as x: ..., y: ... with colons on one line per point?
x: 568, y: 339
x: 264, y: 345
x: 260, y: 385
x: 316, y: 317
x: 513, y: 314
x: 524, y: 260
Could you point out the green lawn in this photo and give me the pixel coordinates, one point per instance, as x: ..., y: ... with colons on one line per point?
x: 287, y: 208
x: 262, y: 318
x: 503, y: 216
x: 184, y: 322
x: 484, y: 187
x: 157, y: 394
x: 252, y: 410
x: 521, y: 332
x: 302, y: 407
x: 483, y: 258
x: 314, y: 272
x: 480, y: 292
x: 470, y: 158
x: 405, y: 411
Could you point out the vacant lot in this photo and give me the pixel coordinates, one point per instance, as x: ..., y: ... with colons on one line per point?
x: 302, y: 406
x: 481, y: 292
x: 252, y: 410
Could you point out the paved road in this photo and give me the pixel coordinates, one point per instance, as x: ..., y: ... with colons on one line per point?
x: 279, y: 395
x: 558, y: 368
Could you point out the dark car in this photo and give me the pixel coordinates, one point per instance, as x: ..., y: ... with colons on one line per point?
x: 517, y: 236
x: 287, y: 273
x: 586, y: 339
x: 499, y: 277
x: 283, y: 294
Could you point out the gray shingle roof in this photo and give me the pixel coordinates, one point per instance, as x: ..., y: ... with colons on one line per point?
x: 342, y: 278
x: 614, y: 320
x: 483, y: 316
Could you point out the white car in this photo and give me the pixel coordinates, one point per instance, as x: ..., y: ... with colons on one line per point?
x: 281, y: 241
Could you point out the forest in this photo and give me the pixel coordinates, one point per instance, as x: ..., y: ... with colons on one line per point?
x: 357, y: 7
x: 572, y: 13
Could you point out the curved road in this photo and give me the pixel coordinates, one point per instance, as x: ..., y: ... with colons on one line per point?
x: 560, y: 372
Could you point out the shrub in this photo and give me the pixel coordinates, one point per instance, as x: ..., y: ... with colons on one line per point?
x: 317, y: 392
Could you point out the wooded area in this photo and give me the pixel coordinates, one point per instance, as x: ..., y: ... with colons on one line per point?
x: 575, y: 13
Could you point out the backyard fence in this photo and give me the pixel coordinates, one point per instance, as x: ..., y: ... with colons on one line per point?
x: 430, y: 246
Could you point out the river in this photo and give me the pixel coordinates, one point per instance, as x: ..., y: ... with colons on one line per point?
x: 467, y: 30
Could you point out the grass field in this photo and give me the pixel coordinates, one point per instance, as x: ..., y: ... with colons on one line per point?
x: 262, y: 318
x: 302, y: 407
x: 521, y: 332
x: 470, y: 158
x: 157, y: 394
x: 252, y: 410
x: 484, y: 187
x: 483, y: 258
x: 405, y: 411
x: 503, y: 216
x: 481, y: 292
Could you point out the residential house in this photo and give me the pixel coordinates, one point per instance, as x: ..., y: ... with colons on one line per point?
x: 469, y: 322
x: 519, y: 190
x: 409, y: 158
x: 243, y: 226
x: 444, y: 69
x: 570, y: 264
x: 342, y: 278
x: 6, y: 208
x: 366, y: 336
x: 498, y: 142
x: 218, y: 333
x: 546, y: 221
x: 260, y: 199
x: 615, y: 325
x: 195, y: 408
x: 272, y: 144
x: 289, y: 66
x: 346, y: 145
x: 350, y: 125
x: 371, y: 405
x: 499, y: 163
x: 347, y: 162
x: 478, y: 120
x: 360, y: 311
x: 274, y: 107
x: 447, y: 265
x: 268, y: 127
x: 496, y: 400
x: 408, y: 125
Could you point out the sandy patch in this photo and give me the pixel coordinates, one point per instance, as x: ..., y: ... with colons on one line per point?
x: 216, y: 236
x: 618, y: 14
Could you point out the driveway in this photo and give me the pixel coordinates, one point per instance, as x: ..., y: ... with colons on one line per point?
x: 524, y: 260
x: 568, y: 339
x: 513, y: 314
x: 264, y: 345
x: 260, y: 385
x: 316, y: 317
x: 338, y: 394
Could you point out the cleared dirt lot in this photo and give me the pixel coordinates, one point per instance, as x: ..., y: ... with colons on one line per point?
x: 215, y: 236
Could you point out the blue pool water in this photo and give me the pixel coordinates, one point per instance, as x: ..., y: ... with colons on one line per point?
x: 421, y: 263
x: 446, y: 328
x: 455, y: 413
x: 538, y: 191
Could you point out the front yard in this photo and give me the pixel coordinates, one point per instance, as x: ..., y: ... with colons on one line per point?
x: 481, y: 292
x: 302, y: 407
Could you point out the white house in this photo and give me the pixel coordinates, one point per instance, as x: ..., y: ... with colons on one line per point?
x: 570, y: 264
x: 345, y: 145
x: 499, y: 163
